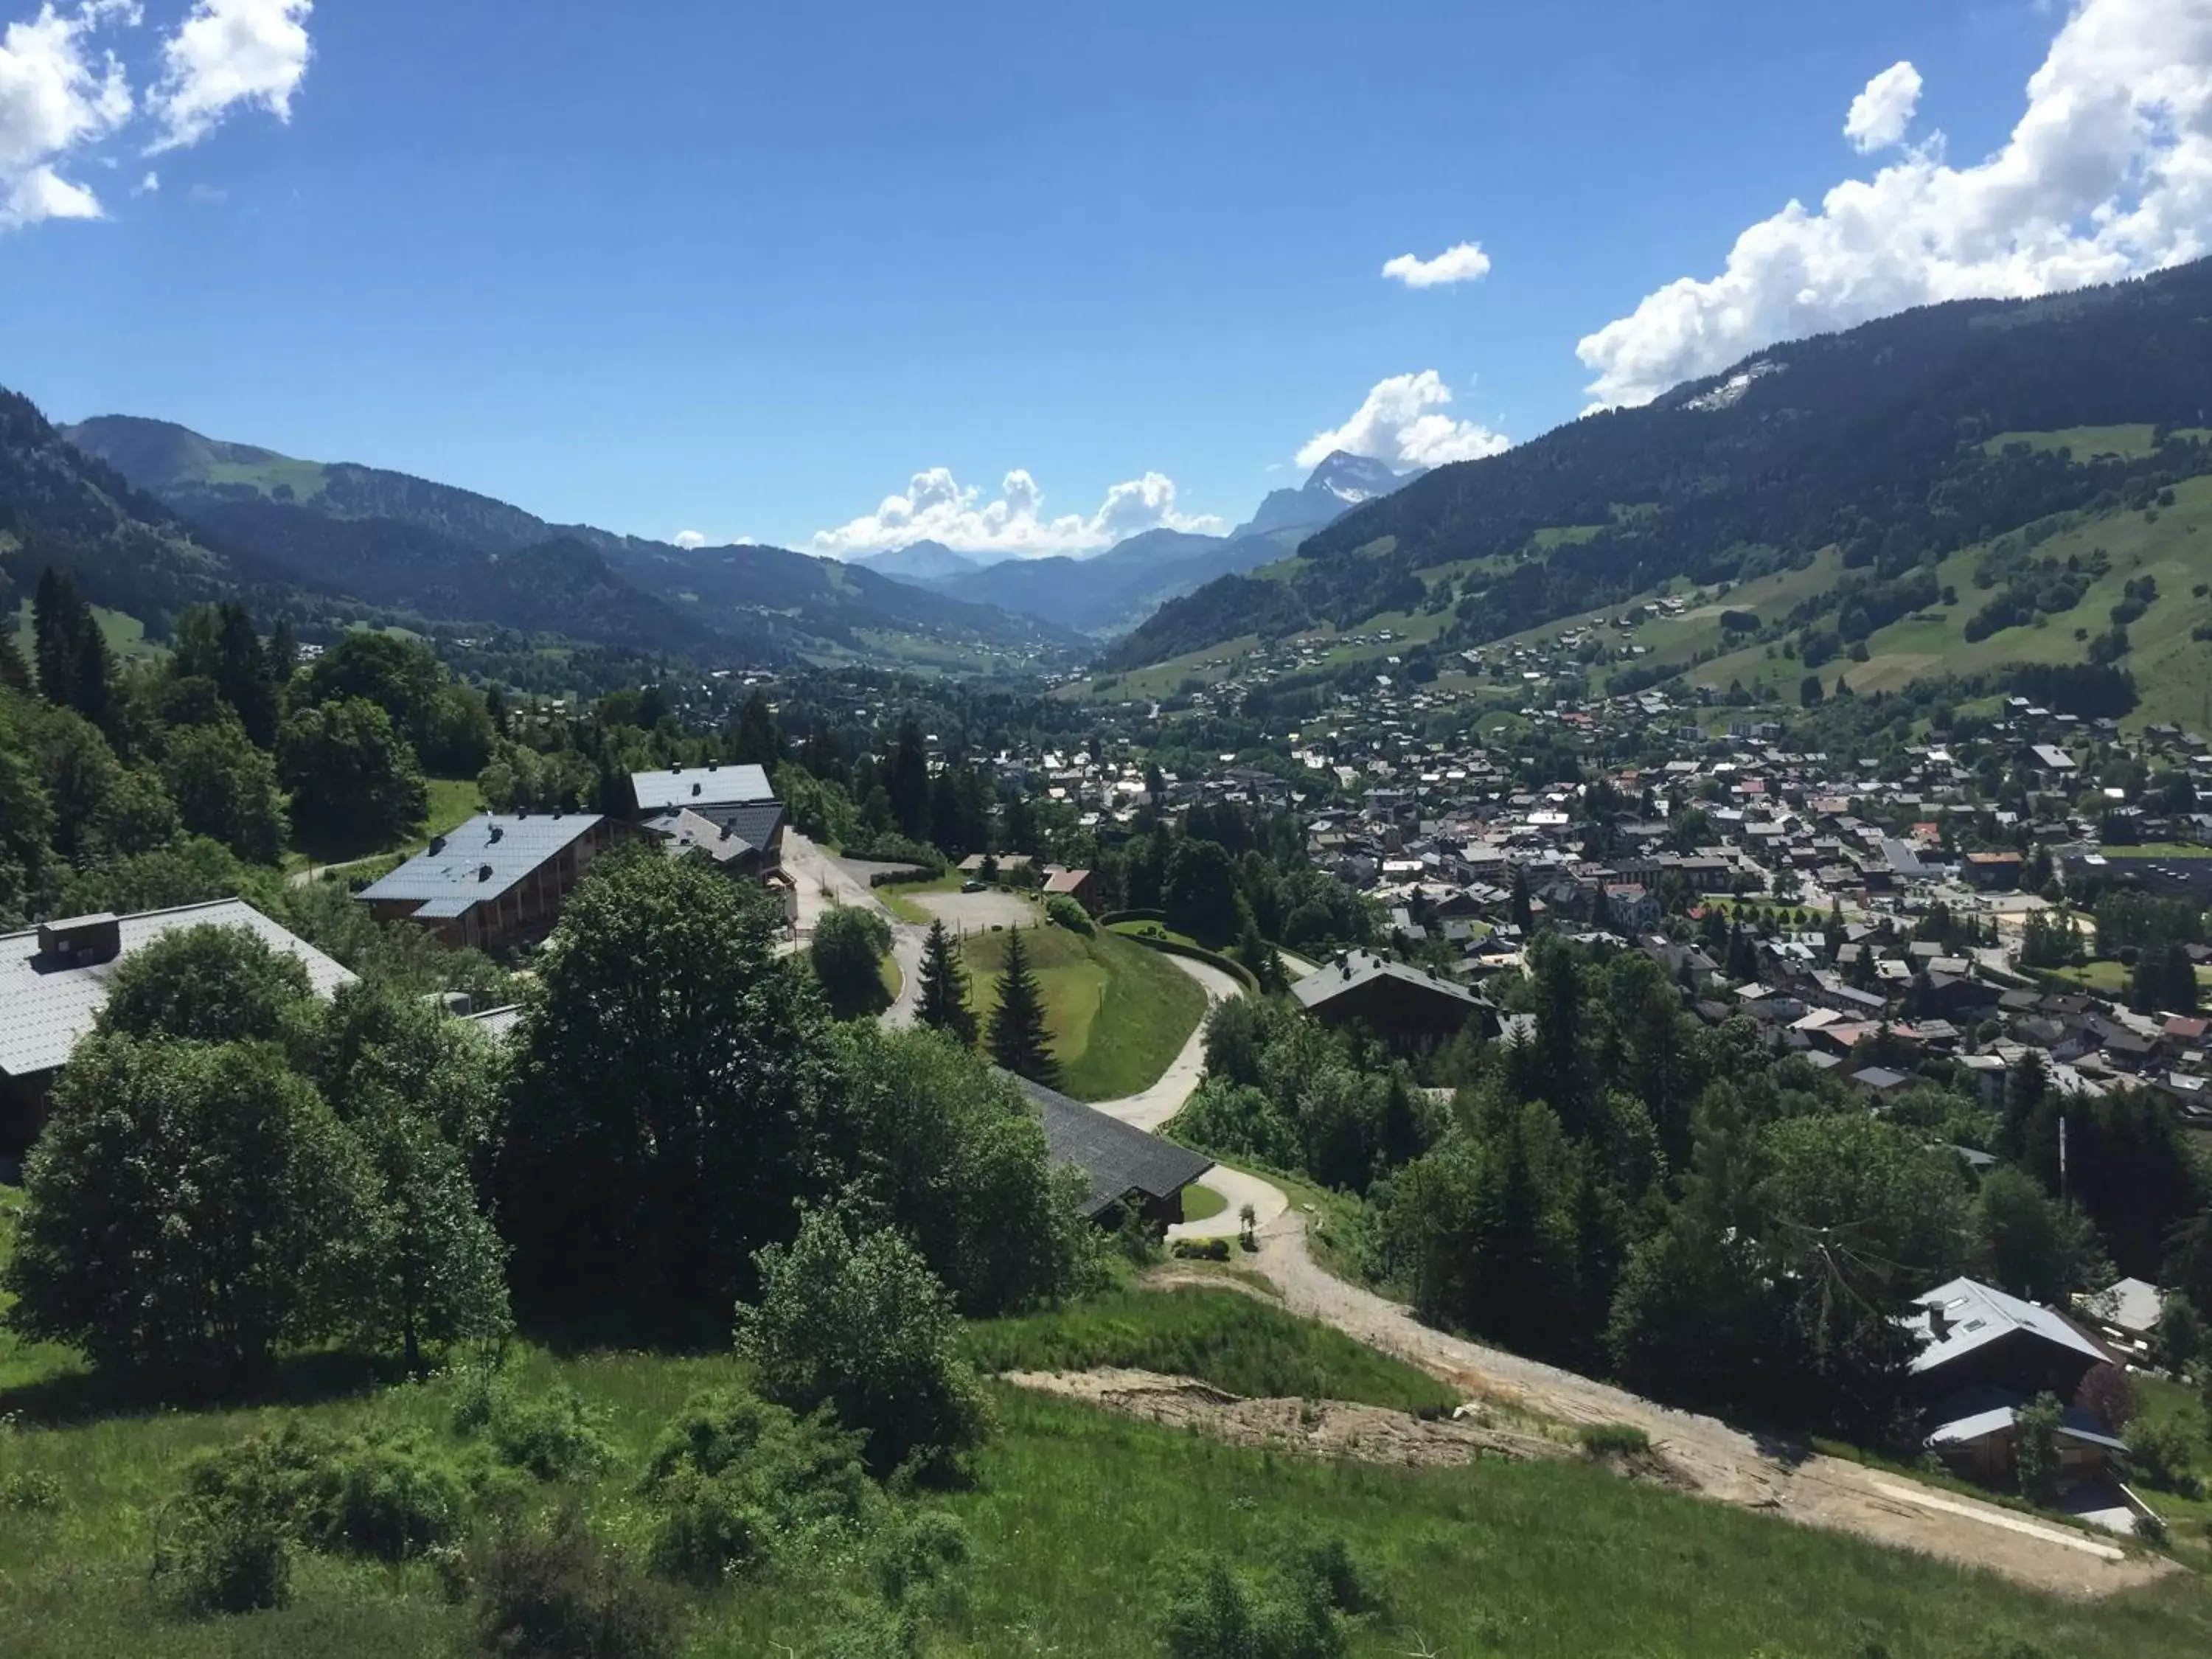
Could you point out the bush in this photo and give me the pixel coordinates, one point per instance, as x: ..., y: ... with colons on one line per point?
x: 1294, y: 1608
x: 1063, y: 912
x: 916, y: 1551
x: 562, y: 1595
x: 736, y: 1476
x: 848, y: 944
x: 30, y: 1492
x: 393, y: 1499
x: 552, y: 1437
x: 1613, y: 1440
x: 229, y: 1563
x: 2159, y: 1454
x: 863, y: 1326
x: 1201, y: 1250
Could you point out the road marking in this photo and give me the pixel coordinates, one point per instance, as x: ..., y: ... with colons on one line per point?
x: 1927, y: 1500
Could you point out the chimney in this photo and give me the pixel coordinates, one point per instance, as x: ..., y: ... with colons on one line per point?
x: 497, y: 831
x: 437, y: 843
x: 711, y: 765
x: 726, y: 832
x: 80, y: 941
x: 695, y: 788
x: 483, y: 873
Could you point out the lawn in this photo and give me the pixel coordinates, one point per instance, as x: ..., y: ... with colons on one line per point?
x: 1202, y: 1203
x: 888, y: 975
x: 1118, y: 1012
x: 2110, y: 979
x: 2189, y: 1520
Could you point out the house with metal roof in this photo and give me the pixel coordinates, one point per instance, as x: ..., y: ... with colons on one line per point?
x: 700, y: 788
x: 54, y: 981
x: 1408, y: 1007
x: 1121, y: 1165
x: 498, y: 880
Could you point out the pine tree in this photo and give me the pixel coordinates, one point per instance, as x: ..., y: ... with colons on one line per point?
x: 15, y: 673
x: 91, y: 694
x: 1523, y: 914
x: 55, y: 632
x: 1019, y: 1040
x: 944, y: 988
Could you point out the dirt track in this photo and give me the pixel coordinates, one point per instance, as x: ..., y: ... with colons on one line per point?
x: 1718, y: 1461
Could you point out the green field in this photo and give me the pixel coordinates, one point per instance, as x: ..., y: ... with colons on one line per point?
x: 2172, y: 671
x: 1117, y: 1012
x: 125, y: 634
x: 2129, y: 442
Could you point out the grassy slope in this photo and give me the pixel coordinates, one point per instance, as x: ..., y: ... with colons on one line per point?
x: 125, y: 634
x: 452, y: 802
x: 2174, y: 672
x: 1078, y: 1522
x: 1118, y: 1012
x: 1221, y: 1337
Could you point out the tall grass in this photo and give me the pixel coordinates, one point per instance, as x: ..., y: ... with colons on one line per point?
x: 1218, y: 1336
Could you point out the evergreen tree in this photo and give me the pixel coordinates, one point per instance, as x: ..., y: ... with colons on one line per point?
x: 1019, y: 1041
x: 92, y: 692
x: 944, y: 988
x: 1523, y: 914
x: 15, y: 673
x: 57, y: 625
x: 910, y: 782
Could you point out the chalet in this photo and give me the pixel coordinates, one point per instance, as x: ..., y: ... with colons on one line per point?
x: 1984, y: 1356
x: 1121, y: 1165
x: 53, y: 983
x: 1406, y: 1007
x: 1079, y: 884
x: 1993, y: 871
x: 498, y: 880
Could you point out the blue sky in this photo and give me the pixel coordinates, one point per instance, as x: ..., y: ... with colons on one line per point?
x: 744, y: 270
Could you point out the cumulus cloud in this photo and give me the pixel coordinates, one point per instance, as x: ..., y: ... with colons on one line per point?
x: 2107, y: 175
x: 56, y: 97
x: 1399, y: 425
x: 938, y: 507
x: 1466, y: 262
x: 690, y: 540
x: 1880, y: 115
x: 228, y: 53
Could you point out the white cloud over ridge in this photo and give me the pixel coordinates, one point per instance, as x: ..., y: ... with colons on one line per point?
x: 56, y: 97
x: 1466, y: 262
x: 1399, y: 426
x: 690, y: 540
x: 1880, y: 115
x: 938, y: 507
x: 225, y: 54
x: 2107, y: 175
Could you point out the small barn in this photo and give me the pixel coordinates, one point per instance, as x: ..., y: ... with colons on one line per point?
x: 1121, y: 1165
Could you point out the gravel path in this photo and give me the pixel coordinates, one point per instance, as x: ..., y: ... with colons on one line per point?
x: 1156, y: 1105
x: 1239, y: 1189
x: 1727, y: 1464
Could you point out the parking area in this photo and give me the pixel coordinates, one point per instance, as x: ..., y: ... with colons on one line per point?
x: 978, y: 913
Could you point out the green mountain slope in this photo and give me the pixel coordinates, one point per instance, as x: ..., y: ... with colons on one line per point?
x: 452, y: 554
x: 1884, y: 443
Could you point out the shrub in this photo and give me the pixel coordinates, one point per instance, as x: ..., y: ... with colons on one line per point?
x: 2159, y: 1454
x: 864, y: 1327
x: 1202, y: 1250
x: 30, y: 1492
x: 1293, y: 1608
x: 393, y: 1499
x: 2151, y: 1528
x: 562, y: 1595
x: 736, y: 1476
x: 915, y: 1552
x: 1063, y: 912
x: 848, y: 944
x: 229, y: 1563
x: 552, y: 1437
x: 1613, y: 1440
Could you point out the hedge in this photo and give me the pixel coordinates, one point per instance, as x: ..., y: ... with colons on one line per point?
x: 1236, y: 970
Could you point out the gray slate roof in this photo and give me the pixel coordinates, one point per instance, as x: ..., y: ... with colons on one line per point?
x: 1359, y: 968
x: 1115, y: 1158
x: 1975, y: 1315
x: 46, y: 1010
x: 480, y: 860
x: 753, y: 825
x: 701, y: 787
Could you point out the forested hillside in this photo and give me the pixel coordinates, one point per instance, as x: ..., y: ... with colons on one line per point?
x: 1877, y: 441
x: 452, y: 555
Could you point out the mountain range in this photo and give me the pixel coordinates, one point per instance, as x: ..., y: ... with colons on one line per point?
x: 1106, y: 593
x: 427, y: 550
x: 1891, y: 442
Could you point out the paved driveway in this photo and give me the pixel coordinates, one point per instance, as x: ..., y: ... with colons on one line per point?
x: 978, y: 913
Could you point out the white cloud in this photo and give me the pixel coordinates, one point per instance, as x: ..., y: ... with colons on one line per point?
x: 939, y: 507
x: 54, y: 99
x: 2107, y: 174
x: 149, y: 185
x: 1466, y: 262
x: 1880, y: 115
x: 1399, y: 426
x: 689, y: 540
x: 227, y: 53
